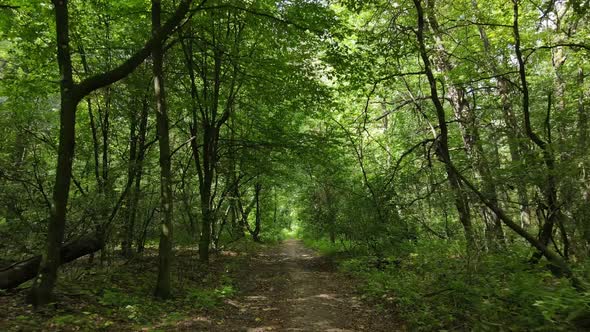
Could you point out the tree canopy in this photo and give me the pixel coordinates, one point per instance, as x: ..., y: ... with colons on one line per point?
x: 441, y: 144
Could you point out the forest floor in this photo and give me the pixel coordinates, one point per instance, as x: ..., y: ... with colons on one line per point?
x: 284, y: 287
x: 291, y: 288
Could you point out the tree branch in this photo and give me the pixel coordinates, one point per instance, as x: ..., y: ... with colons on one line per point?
x: 98, y: 81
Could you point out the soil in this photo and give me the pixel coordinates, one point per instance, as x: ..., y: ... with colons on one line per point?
x: 291, y: 288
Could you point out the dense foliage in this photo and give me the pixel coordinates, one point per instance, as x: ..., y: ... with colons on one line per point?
x: 442, y: 145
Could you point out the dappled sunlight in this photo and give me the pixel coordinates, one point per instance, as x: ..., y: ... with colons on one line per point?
x: 228, y: 253
x: 319, y: 298
x: 263, y: 328
x: 327, y: 296
x: 291, y: 288
x: 322, y: 325
x: 191, y: 322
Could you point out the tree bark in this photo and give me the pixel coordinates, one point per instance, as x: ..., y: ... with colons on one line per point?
x: 550, y: 189
x: 23, y: 271
x: 256, y: 231
x: 442, y: 149
x: 209, y: 154
x: 210, y: 140
x: 135, y: 173
x: 166, y: 200
x: 41, y: 291
x: 583, y: 211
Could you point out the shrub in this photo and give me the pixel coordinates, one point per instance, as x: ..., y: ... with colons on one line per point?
x: 435, y: 288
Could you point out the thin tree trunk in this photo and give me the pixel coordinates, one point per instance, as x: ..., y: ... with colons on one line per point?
x: 550, y: 190
x: 210, y: 140
x: 468, y: 125
x: 186, y: 204
x: 256, y: 231
x: 205, y: 171
x: 517, y: 148
x: 442, y: 149
x: 144, y: 230
x: 133, y: 147
x: 515, y: 145
x: 583, y: 211
x: 244, y: 214
x: 207, y: 212
x: 166, y: 200
x: 135, y: 173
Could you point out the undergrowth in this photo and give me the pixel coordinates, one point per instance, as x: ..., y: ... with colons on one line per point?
x: 119, y: 297
x: 433, y: 286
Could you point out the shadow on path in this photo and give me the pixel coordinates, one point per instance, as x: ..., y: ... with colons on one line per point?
x: 290, y: 288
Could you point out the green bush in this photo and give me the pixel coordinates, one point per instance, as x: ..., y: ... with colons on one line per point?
x: 436, y: 288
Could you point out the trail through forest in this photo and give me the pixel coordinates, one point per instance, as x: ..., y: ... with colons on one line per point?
x: 154, y: 156
x: 291, y: 288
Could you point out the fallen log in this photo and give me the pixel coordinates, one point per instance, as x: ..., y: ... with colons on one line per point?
x: 20, y: 272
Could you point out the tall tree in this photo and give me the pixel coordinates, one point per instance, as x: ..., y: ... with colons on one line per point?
x: 71, y: 95
x: 442, y: 141
x: 549, y: 186
x: 166, y: 199
x: 212, y: 102
x: 468, y: 123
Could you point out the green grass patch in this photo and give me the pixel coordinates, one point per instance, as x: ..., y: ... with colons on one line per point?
x: 209, y: 298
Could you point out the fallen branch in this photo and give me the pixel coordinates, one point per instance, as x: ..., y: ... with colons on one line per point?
x: 20, y: 272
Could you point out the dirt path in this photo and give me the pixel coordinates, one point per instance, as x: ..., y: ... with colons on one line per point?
x: 291, y: 288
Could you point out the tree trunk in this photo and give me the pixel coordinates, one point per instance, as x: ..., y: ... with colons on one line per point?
x: 210, y: 140
x: 186, y: 204
x: 71, y: 94
x: 207, y: 220
x: 550, y: 185
x: 517, y: 148
x: 23, y: 271
x: 442, y: 149
x: 41, y: 291
x: 468, y: 125
x: 256, y: 231
x: 583, y: 211
x: 127, y: 227
x: 135, y: 172
x: 515, y: 139
x: 166, y: 200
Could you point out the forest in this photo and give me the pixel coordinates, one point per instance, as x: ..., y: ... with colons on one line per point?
x: 294, y: 165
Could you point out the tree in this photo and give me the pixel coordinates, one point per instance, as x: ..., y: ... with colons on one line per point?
x: 71, y: 94
x: 166, y: 203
